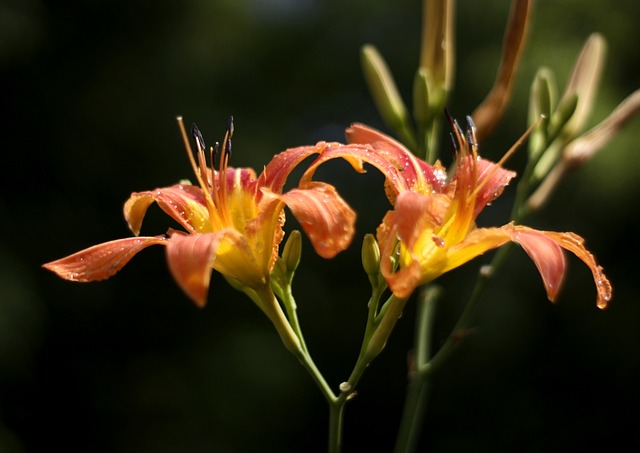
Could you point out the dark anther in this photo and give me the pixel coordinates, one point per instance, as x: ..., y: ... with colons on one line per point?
x: 216, y: 153
x: 227, y: 137
x: 197, y: 136
x: 454, y: 143
x: 471, y: 132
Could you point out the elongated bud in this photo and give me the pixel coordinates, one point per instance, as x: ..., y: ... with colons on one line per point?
x: 421, y: 101
x: 562, y: 115
x: 584, y: 82
x: 490, y: 111
x: 584, y: 147
x: 437, y: 52
x: 541, y: 102
x: 385, y: 93
x: 553, y: 153
x: 371, y: 259
x: 292, y: 251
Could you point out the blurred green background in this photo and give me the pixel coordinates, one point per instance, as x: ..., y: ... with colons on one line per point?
x: 90, y: 92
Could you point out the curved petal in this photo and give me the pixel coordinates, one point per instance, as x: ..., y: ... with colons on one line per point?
x: 183, y: 202
x: 101, y: 261
x: 544, y: 249
x: 191, y: 257
x: 417, y: 214
x: 324, y: 216
x: 415, y: 173
x: 547, y: 255
x: 405, y: 279
x: 475, y: 244
x: 264, y: 232
x: 492, y: 179
x: 275, y: 174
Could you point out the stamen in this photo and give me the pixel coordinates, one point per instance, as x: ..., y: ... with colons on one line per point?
x: 471, y: 136
x: 202, y: 160
x: 226, y: 149
x: 506, y: 156
x: 210, y: 204
x: 224, y: 156
x: 454, y: 145
x: 197, y: 136
x: 215, y: 154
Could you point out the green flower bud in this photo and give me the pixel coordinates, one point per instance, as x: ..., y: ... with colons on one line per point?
x: 541, y: 101
x: 421, y: 106
x: 371, y: 258
x: 385, y: 93
x: 292, y: 251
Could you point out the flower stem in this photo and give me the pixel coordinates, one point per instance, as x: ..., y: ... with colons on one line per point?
x: 336, y: 411
x: 418, y: 389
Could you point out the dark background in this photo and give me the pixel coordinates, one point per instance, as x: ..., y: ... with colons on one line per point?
x: 90, y: 92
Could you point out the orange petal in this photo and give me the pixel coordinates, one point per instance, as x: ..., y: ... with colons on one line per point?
x: 277, y: 171
x: 184, y: 203
x: 476, y: 243
x: 101, y: 261
x: 492, y: 179
x: 413, y: 173
x: 417, y: 213
x: 575, y: 244
x: 546, y: 254
x: 325, y: 217
x: 191, y: 257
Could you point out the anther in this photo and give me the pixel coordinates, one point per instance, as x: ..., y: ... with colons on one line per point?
x: 197, y: 136
x: 215, y: 154
x: 227, y: 138
x: 471, y: 132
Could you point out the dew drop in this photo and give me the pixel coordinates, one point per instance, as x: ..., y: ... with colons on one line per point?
x: 438, y: 241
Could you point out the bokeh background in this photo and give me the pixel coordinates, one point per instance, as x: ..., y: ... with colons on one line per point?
x: 90, y: 92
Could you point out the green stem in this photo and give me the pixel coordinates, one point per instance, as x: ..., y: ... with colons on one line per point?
x: 292, y: 313
x: 335, y: 427
x: 418, y: 389
x: 418, y: 392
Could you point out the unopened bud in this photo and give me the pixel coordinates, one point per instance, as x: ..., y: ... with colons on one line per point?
x: 541, y: 99
x: 583, y: 148
x: 371, y: 261
x: 292, y: 251
x: 553, y: 153
x: 385, y: 93
x: 421, y: 109
x: 584, y: 82
x: 562, y: 115
x: 370, y: 256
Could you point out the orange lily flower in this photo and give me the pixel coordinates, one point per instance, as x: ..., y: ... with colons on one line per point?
x: 431, y: 229
x: 233, y: 222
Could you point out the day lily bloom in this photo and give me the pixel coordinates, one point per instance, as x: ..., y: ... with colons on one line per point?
x: 431, y: 229
x: 232, y: 221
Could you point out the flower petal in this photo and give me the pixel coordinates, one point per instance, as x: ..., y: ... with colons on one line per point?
x: 546, y: 254
x: 417, y: 214
x: 183, y: 202
x: 409, y: 172
x: 101, y: 261
x: 277, y: 171
x: 325, y: 217
x: 264, y: 232
x: 476, y: 243
x: 191, y: 257
x: 492, y: 179
x: 541, y: 252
